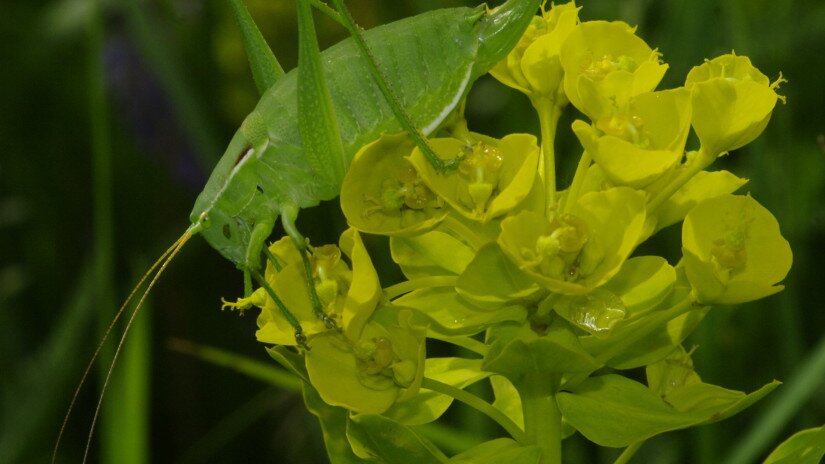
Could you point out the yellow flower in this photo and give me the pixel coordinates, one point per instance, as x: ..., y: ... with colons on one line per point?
x: 732, y: 102
x: 383, y: 194
x: 575, y: 252
x: 533, y: 66
x: 606, y: 61
x: 494, y: 175
x: 636, y: 144
x: 733, y: 250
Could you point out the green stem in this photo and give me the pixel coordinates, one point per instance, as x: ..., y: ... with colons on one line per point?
x: 628, y: 453
x: 394, y: 291
x: 465, y: 342
x: 700, y: 161
x: 479, y: 405
x: 578, y: 181
x: 461, y: 231
x: 542, y: 418
x: 549, y: 115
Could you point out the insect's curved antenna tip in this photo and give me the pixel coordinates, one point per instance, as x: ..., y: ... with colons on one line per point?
x: 159, y: 265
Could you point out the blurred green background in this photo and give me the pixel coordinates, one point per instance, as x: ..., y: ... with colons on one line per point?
x: 111, y: 116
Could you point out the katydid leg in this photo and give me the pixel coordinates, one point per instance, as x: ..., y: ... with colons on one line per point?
x: 300, y: 338
x: 288, y: 216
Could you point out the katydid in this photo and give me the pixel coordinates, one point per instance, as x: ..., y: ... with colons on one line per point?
x: 293, y: 150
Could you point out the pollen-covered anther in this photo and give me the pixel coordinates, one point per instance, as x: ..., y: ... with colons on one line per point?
x: 627, y: 128
x: 481, y: 164
x: 597, y: 69
x: 375, y: 355
x: 729, y: 255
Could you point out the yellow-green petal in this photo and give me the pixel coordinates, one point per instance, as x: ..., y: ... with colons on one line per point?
x: 732, y: 102
x: 382, y: 193
x: 733, y: 250
x: 493, y: 178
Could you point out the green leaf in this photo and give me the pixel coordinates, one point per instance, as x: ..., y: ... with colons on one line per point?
x: 377, y: 438
x: 433, y: 253
x: 713, y: 402
x: 612, y: 410
x: 333, y: 426
x: 517, y: 351
x: 491, y: 280
x: 497, y: 451
x: 452, y: 315
x: 805, y: 447
x: 507, y: 399
x: 428, y: 405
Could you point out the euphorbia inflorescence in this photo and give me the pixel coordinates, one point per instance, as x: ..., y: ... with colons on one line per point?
x: 543, y: 286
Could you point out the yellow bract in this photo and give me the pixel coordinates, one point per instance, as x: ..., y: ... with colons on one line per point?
x: 533, y: 66
x: 576, y: 252
x: 383, y: 194
x: 607, y: 61
x: 494, y: 175
x: 732, y: 102
x: 636, y: 144
x: 733, y: 250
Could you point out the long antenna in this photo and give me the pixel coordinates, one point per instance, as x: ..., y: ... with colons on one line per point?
x: 162, y: 261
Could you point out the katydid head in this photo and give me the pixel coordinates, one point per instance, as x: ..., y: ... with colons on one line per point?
x: 223, y: 207
x: 500, y: 30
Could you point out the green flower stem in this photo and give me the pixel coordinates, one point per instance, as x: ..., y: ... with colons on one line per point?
x: 461, y: 231
x: 700, y: 161
x: 542, y: 418
x: 394, y: 291
x: 578, y: 180
x: 628, y: 453
x: 479, y: 405
x: 549, y: 115
x: 465, y: 342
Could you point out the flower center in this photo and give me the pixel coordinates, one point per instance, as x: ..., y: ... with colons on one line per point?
x: 481, y: 166
x: 597, y: 69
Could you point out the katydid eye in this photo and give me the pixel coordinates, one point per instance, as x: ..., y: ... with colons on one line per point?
x: 244, y: 153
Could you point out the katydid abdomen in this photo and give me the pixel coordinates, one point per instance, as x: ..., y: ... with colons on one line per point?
x: 430, y: 59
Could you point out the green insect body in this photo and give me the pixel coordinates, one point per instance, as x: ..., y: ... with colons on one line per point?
x: 430, y: 59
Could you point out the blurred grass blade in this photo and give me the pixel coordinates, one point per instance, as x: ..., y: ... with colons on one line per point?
x: 190, y: 110
x: 233, y: 425
x: 33, y: 399
x: 804, y: 382
x: 127, y: 432
x: 242, y: 364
